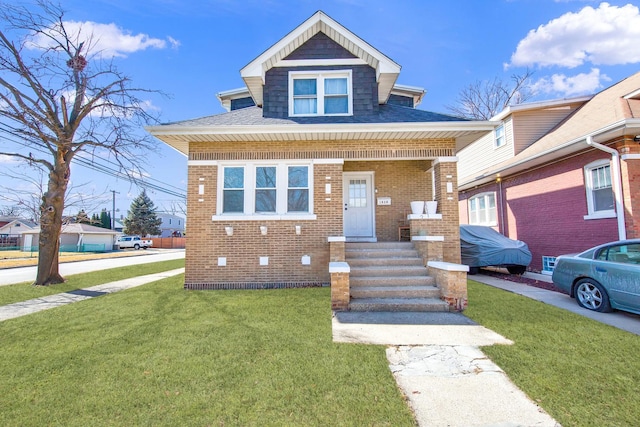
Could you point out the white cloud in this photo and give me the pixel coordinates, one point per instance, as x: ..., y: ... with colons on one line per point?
x: 8, y: 160
x: 608, y: 35
x: 108, y: 40
x: 581, y: 84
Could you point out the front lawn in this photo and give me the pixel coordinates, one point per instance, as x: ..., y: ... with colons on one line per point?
x: 158, y: 355
x: 582, y: 372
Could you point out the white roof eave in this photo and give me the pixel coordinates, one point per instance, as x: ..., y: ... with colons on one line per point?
x: 468, y: 126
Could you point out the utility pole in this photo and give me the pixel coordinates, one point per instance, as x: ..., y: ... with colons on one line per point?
x: 113, y: 211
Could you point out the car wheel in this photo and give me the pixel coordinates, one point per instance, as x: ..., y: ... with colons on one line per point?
x: 517, y: 269
x: 591, y: 295
x: 136, y: 246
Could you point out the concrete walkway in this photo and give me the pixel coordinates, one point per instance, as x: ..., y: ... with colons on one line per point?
x: 52, y: 301
x: 436, y: 361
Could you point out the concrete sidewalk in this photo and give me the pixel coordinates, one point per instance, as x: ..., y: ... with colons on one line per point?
x: 52, y: 301
x: 10, y: 276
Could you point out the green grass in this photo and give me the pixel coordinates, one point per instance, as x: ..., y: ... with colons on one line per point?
x: 582, y: 372
x: 158, y: 355
x: 24, y: 291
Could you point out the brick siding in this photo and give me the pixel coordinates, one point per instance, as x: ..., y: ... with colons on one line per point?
x: 545, y: 207
x: 402, y: 180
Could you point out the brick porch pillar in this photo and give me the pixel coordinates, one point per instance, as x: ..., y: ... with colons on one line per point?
x: 452, y: 281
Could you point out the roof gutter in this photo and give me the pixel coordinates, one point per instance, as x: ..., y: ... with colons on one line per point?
x: 617, y: 183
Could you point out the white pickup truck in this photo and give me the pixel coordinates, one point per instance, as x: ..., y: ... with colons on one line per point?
x: 134, y: 242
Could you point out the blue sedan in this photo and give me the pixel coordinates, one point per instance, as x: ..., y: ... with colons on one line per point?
x: 602, y: 278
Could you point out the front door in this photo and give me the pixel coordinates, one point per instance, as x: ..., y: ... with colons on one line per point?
x: 358, y: 205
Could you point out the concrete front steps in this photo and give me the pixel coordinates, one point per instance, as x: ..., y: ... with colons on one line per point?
x: 390, y: 276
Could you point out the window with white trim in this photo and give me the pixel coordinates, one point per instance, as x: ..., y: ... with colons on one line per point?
x: 600, y: 200
x: 326, y: 93
x: 482, y: 209
x: 233, y: 193
x: 499, y: 137
x: 265, y: 189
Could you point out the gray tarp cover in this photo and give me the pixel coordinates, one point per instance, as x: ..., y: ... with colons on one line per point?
x: 483, y: 246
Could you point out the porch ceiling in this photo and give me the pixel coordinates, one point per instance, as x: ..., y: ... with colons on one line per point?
x: 464, y: 133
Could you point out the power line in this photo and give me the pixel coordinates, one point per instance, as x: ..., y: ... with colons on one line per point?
x: 116, y: 173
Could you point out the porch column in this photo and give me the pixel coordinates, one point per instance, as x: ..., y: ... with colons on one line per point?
x: 339, y: 271
x: 445, y: 177
x: 340, y: 292
x: 451, y: 279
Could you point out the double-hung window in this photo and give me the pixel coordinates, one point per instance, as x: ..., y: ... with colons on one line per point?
x: 298, y: 189
x: 600, y: 200
x: 320, y: 93
x: 482, y: 209
x: 265, y: 189
x: 499, y: 137
x: 233, y: 193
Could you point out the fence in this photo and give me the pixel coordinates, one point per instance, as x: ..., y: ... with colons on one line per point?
x: 9, y: 243
x: 169, y: 242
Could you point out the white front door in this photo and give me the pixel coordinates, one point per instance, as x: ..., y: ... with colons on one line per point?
x: 358, y: 205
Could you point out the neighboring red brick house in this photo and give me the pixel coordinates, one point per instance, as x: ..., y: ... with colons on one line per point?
x: 561, y: 175
x: 322, y: 146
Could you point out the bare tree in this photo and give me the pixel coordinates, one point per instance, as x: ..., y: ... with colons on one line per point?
x: 25, y: 199
x: 10, y: 211
x: 484, y: 99
x: 60, y: 98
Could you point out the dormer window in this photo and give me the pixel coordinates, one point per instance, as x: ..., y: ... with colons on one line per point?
x: 325, y: 93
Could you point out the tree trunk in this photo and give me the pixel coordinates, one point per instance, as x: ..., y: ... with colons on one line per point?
x: 51, y: 223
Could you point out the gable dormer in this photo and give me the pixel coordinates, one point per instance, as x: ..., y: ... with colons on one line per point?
x: 320, y: 69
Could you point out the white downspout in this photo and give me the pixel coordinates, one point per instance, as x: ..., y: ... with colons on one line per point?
x: 617, y: 184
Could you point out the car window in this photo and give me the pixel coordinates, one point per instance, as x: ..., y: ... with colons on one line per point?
x: 627, y: 254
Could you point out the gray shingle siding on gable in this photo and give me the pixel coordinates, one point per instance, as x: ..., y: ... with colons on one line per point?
x: 276, y: 91
x: 320, y: 47
x: 405, y: 101
x: 237, y: 104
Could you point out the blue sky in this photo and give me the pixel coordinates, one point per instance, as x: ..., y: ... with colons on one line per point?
x: 193, y: 50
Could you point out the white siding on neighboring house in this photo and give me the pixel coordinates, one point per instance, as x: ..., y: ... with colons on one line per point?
x: 170, y: 224
x: 522, y: 127
x: 482, y: 154
x: 531, y: 125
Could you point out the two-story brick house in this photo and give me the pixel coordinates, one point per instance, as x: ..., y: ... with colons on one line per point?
x: 561, y: 175
x: 320, y: 148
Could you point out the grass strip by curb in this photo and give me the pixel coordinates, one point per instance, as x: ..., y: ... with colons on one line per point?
x: 24, y: 291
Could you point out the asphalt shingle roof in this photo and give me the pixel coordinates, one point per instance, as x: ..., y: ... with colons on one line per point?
x: 252, y: 116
